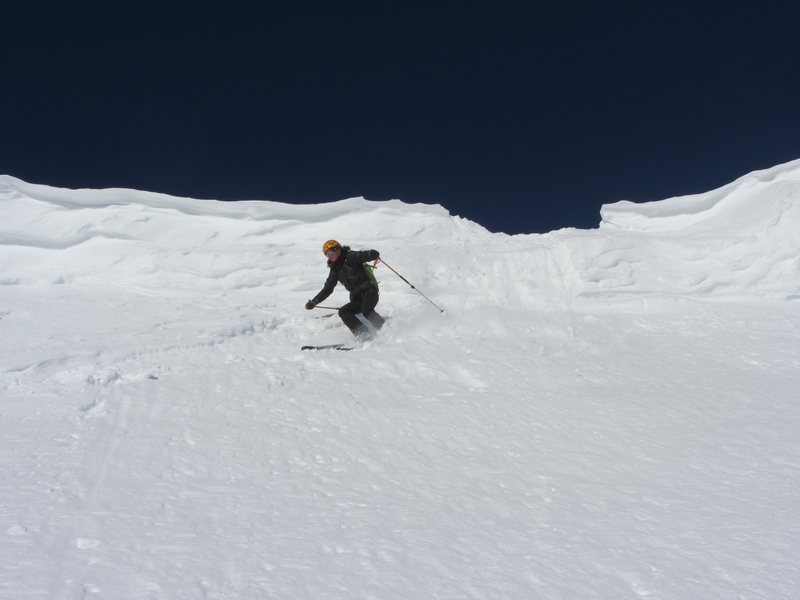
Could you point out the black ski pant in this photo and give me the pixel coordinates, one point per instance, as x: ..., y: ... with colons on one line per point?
x: 364, y: 303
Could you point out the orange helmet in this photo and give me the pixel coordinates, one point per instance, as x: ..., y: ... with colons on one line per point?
x: 330, y: 244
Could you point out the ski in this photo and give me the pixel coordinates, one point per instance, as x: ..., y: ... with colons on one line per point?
x: 343, y: 347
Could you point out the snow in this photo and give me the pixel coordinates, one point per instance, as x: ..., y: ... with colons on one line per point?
x: 609, y: 413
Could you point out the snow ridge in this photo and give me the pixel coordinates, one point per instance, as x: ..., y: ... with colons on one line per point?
x: 736, y: 242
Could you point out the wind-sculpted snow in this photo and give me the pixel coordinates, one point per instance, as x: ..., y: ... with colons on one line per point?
x: 739, y: 241
x: 754, y: 201
x: 582, y: 421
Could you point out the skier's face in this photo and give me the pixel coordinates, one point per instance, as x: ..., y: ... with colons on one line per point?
x: 333, y: 254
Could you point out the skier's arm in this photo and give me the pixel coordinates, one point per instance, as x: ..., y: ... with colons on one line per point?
x: 363, y: 256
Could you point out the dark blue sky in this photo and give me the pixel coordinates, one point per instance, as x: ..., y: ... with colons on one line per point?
x: 522, y: 116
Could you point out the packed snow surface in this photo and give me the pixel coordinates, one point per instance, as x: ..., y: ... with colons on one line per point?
x: 609, y: 413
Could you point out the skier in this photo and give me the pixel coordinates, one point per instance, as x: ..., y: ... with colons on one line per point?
x: 347, y: 266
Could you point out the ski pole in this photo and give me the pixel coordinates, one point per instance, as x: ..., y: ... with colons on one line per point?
x: 441, y: 310
x: 327, y: 307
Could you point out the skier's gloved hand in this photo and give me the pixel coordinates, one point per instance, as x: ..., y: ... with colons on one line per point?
x: 310, y: 304
x: 374, y: 254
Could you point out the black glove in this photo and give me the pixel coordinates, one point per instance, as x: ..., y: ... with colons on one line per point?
x: 310, y: 304
x: 374, y: 254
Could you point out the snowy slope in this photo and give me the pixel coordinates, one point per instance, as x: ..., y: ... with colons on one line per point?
x: 598, y: 414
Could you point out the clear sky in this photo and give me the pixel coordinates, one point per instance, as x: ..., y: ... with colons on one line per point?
x: 522, y: 116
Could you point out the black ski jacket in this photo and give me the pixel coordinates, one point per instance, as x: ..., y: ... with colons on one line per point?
x: 349, y: 271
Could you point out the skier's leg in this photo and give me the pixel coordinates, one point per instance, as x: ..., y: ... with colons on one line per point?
x: 368, y: 303
x: 348, y: 314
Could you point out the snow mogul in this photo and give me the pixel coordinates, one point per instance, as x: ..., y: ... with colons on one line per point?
x: 351, y: 269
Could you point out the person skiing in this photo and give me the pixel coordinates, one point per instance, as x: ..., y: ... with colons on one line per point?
x: 347, y: 266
